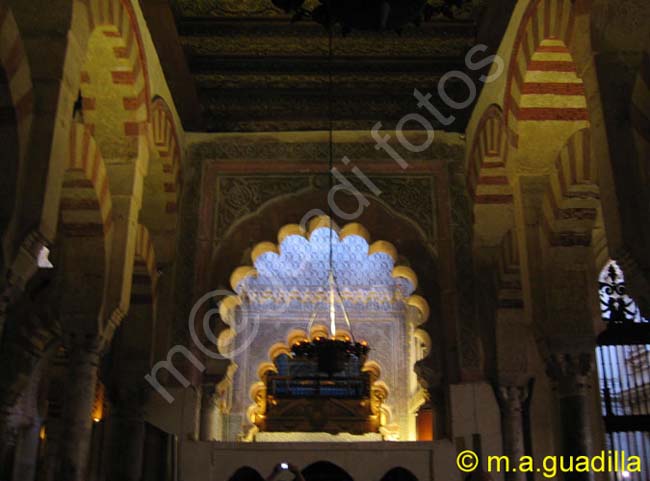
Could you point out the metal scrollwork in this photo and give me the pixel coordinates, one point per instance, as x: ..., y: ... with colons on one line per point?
x: 616, y: 306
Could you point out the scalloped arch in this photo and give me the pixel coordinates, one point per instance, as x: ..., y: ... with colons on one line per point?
x: 241, y: 273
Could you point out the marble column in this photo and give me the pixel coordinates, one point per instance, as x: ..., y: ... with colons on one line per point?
x: 511, y: 400
x: 80, y: 386
x: 126, y: 440
x: 210, y: 415
x: 571, y: 375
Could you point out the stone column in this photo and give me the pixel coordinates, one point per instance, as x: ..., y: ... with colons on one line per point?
x: 571, y: 374
x: 126, y: 440
x: 210, y: 422
x: 511, y: 400
x: 83, y: 361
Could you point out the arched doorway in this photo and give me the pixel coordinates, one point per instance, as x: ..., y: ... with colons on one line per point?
x: 399, y: 474
x: 325, y: 471
x: 246, y: 474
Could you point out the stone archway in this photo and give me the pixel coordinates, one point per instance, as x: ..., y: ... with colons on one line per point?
x: 114, y: 78
x: 543, y: 86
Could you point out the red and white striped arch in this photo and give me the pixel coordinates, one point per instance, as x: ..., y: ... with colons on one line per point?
x: 86, y: 207
x: 17, y: 108
x: 167, y: 144
x: 114, y: 77
x: 487, y: 179
x: 572, y: 201
x: 543, y: 85
x: 145, y: 271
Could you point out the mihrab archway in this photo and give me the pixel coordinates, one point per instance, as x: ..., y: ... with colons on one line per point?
x: 282, y: 291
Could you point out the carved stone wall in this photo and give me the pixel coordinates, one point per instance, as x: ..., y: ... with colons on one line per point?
x: 412, y: 196
x: 253, y: 184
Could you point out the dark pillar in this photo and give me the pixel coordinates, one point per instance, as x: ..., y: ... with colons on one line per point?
x: 126, y: 433
x: 511, y: 400
x: 27, y: 452
x: 53, y: 435
x: 77, y: 412
x: 8, y: 437
x: 571, y: 374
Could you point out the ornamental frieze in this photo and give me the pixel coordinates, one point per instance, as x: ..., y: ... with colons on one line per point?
x: 237, y: 196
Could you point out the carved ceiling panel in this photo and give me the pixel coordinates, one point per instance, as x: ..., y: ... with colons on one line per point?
x: 255, y: 70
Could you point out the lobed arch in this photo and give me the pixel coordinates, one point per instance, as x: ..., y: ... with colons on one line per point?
x: 572, y: 201
x: 380, y: 391
x: 271, y: 291
x: 276, y: 213
x: 543, y: 86
x: 114, y: 80
x: 231, y: 303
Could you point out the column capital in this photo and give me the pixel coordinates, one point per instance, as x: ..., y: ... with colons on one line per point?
x: 512, y: 397
x: 571, y: 372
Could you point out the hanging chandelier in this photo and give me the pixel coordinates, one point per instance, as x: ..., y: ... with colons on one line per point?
x: 374, y: 15
x: 333, y: 353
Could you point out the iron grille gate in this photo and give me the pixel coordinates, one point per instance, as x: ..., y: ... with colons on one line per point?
x: 623, y: 357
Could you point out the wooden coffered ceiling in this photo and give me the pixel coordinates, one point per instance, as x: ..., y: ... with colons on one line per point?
x: 243, y: 66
